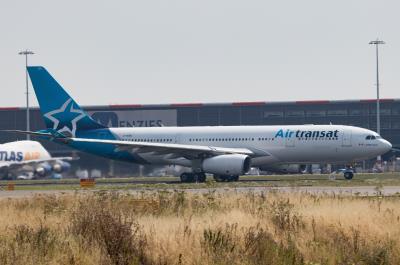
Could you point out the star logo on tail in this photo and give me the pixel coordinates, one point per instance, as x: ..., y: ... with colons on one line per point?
x: 65, y: 118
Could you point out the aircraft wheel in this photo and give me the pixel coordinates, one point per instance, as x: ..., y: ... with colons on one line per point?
x: 228, y: 178
x: 186, y: 177
x: 219, y: 178
x: 201, y: 177
x: 231, y: 178
x: 348, y: 175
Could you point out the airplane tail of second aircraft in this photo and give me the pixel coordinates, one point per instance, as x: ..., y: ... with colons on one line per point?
x: 59, y: 110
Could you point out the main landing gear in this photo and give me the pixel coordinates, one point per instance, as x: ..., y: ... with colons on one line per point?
x: 201, y: 177
x: 193, y: 177
x: 221, y: 178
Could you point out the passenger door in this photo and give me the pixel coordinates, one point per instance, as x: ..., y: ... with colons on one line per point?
x: 346, y: 138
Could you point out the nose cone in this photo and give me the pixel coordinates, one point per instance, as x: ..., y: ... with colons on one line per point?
x: 385, y: 145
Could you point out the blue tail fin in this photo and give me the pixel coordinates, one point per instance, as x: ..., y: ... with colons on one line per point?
x: 60, y: 112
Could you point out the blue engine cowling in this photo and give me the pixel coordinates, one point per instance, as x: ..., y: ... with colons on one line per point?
x: 43, y: 169
x: 61, y: 166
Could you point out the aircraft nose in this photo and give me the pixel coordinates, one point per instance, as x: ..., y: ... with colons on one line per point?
x: 386, y: 146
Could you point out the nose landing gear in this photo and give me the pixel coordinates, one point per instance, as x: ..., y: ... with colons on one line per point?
x: 348, y: 174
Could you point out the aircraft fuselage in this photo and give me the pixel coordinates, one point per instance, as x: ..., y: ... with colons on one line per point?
x: 270, y: 144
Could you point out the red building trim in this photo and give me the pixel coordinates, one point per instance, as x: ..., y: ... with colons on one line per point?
x: 10, y: 108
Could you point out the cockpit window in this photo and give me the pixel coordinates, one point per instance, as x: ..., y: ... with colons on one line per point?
x: 372, y: 137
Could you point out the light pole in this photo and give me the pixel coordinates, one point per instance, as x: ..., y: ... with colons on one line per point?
x: 377, y: 42
x: 26, y: 53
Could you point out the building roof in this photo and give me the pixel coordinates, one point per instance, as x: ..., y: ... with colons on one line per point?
x: 218, y: 104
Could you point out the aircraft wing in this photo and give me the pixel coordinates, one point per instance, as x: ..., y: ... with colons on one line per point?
x: 15, y: 165
x: 171, y: 150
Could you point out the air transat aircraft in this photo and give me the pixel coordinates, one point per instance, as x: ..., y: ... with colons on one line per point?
x: 224, y: 151
x: 29, y: 159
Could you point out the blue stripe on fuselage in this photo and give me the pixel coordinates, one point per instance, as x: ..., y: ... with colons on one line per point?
x: 104, y: 150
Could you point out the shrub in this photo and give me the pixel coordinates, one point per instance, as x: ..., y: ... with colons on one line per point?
x: 119, y: 238
x: 284, y: 217
x: 261, y: 248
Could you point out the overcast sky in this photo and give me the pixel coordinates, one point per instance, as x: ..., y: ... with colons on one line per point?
x: 151, y: 52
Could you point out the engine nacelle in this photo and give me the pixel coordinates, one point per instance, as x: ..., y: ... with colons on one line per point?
x: 232, y: 165
x: 61, y: 166
x: 43, y: 169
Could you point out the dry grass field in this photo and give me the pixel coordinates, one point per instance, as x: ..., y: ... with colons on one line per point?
x: 211, y: 228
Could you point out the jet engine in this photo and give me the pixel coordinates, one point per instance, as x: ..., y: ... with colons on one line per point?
x: 61, y: 166
x: 43, y: 169
x: 232, y: 165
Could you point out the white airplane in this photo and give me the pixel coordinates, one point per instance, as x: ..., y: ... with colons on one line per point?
x: 224, y: 151
x: 29, y: 159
